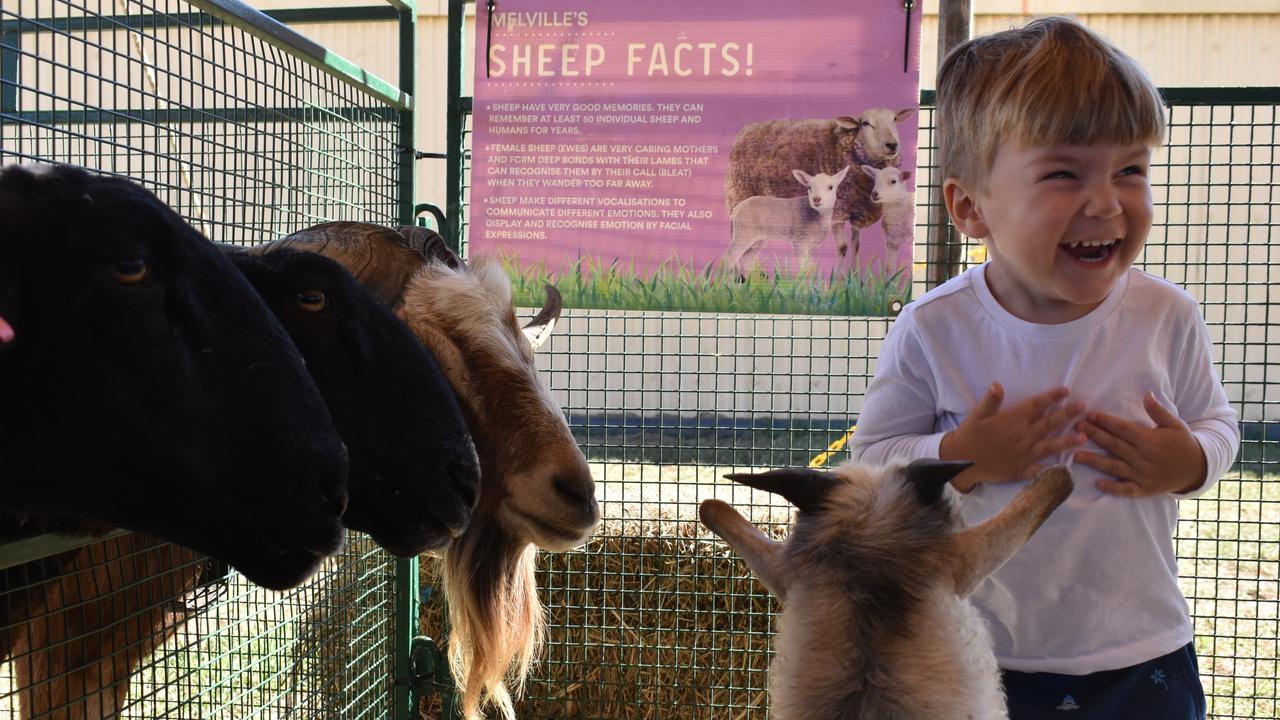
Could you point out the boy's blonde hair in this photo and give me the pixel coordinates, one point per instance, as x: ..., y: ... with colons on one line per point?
x: 1051, y: 82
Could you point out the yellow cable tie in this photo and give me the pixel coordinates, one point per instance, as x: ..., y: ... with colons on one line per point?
x: 833, y: 448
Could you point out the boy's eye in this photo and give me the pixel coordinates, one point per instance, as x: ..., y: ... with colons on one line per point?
x: 1134, y: 170
x: 1059, y: 175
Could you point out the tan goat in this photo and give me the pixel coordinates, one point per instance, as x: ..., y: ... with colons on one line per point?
x: 873, y: 579
x: 536, y: 488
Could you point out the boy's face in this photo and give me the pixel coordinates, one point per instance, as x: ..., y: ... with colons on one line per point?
x: 1062, y: 224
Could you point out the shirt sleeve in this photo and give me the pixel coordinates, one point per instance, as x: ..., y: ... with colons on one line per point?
x: 1202, y: 403
x: 899, y: 415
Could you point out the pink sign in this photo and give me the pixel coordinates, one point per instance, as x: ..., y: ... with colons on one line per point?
x: 750, y: 156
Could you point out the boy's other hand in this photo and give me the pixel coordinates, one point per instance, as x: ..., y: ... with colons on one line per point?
x: 1144, y: 460
x: 1013, y: 443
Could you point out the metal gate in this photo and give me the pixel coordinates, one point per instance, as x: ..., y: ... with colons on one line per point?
x: 249, y: 131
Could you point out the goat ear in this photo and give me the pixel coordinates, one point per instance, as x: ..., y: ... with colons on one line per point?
x: 903, y: 114
x: 870, y: 171
x: 539, y: 328
x: 763, y: 556
x: 802, y: 176
x: 929, y: 477
x: 805, y: 488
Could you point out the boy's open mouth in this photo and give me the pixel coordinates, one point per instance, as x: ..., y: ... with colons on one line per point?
x: 1092, y: 251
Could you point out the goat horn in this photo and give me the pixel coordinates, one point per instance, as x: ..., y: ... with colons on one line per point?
x: 803, y: 487
x: 429, y: 244
x: 539, y: 328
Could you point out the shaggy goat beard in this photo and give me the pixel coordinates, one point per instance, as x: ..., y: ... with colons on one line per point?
x: 496, y: 620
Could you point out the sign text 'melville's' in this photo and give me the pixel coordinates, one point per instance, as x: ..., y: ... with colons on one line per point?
x: 513, y: 20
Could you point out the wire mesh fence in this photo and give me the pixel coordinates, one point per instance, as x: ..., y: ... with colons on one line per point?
x: 654, y: 618
x: 244, y: 139
x: 249, y: 138
x: 133, y: 627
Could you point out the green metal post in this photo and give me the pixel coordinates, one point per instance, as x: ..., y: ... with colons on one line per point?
x: 456, y: 123
x: 406, y: 623
x: 406, y: 628
x: 9, y: 44
x: 408, y: 72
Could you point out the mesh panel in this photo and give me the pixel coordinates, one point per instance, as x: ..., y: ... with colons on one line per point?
x: 656, y: 619
x: 247, y: 142
x: 244, y: 140
x: 146, y: 629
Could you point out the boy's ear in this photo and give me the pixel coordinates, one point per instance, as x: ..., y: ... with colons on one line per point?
x: 963, y: 208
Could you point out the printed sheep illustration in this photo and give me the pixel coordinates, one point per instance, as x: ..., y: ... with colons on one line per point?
x: 897, y: 206
x: 874, y: 579
x: 804, y: 221
x: 764, y: 154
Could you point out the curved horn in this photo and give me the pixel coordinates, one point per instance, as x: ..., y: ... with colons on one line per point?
x: 538, y: 329
x: 429, y: 244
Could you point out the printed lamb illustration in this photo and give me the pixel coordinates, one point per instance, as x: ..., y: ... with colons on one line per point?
x: 764, y: 153
x: 898, y: 208
x: 874, y: 579
x: 804, y: 221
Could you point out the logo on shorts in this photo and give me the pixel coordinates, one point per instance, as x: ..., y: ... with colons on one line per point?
x: 1069, y: 703
x: 1157, y: 678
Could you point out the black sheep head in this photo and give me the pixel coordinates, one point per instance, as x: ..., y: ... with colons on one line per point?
x: 414, y: 476
x: 149, y: 386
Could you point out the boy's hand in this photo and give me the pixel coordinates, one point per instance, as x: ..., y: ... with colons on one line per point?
x: 1144, y: 460
x: 1011, y: 444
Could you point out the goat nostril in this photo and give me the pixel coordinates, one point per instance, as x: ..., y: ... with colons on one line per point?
x: 574, y: 492
x: 334, y: 493
x: 466, y: 478
x: 332, y: 477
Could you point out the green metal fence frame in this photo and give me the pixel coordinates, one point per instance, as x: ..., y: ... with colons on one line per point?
x: 419, y: 666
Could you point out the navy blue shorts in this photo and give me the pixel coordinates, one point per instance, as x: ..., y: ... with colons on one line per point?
x: 1167, y: 688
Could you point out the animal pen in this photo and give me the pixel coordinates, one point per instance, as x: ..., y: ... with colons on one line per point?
x: 251, y: 131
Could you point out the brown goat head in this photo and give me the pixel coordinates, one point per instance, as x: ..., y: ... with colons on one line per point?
x: 874, y: 576
x: 535, y: 478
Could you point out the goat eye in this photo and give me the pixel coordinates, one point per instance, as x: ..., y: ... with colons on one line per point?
x: 131, y: 272
x: 312, y: 301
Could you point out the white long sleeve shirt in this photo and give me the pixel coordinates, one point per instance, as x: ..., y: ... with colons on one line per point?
x: 1096, y: 588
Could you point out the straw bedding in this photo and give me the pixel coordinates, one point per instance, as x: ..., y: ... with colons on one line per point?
x: 653, y: 619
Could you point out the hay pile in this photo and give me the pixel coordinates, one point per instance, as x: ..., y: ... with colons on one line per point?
x: 652, y: 619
